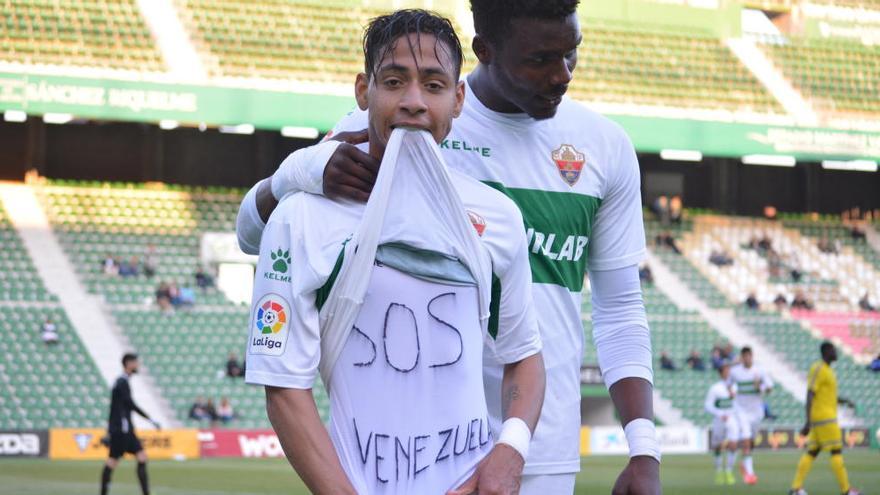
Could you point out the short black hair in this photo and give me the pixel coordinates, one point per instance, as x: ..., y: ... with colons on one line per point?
x: 383, y: 31
x: 826, y: 347
x: 492, y: 17
x: 129, y: 356
x: 745, y: 350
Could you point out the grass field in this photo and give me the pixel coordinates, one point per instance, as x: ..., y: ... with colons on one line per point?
x: 682, y: 475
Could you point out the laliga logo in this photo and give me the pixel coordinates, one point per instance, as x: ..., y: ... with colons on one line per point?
x: 271, y: 317
x: 478, y: 222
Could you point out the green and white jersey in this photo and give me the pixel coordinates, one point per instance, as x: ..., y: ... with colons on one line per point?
x: 576, y: 180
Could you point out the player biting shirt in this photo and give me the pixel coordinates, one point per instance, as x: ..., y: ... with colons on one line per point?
x: 408, y: 407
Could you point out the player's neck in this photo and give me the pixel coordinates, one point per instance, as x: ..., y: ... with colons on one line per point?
x: 485, y: 91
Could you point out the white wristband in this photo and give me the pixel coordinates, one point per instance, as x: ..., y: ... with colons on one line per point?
x: 516, y: 433
x: 641, y: 435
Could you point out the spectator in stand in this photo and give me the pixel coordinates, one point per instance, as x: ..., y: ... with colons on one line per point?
x: 780, y: 301
x: 211, y: 411
x: 695, y: 361
x: 865, y: 303
x: 186, y: 296
x: 661, y: 210
x: 665, y: 239
x: 676, y: 209
x: 203, y: 280
x: 129, y: 268
x: 717, y: 360
x: 225, y: 413
x: 199, y: 410
x: 875, y: 364
x: 752, y: 301
x: 827, y: 246
x: 645, y: 275
x: 765, y: 243
x: 727, y: 353
x: 151, y: 261
x: 666, y: 362
x: 800, y: 301
x: 49, y: 332
x: 109, y: 266
x: 719, y: 257
x: 233, y: 368
x: 774, y: 264
x: 163, y: 297
x: 857, y: 233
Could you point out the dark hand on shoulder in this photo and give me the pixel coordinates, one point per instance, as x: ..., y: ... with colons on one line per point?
x: 350, y: 173
x: 641, y: 476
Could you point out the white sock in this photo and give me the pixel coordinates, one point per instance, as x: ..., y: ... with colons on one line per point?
x: 731, y: 460
x: 718, y: 462
x: 747, y: 464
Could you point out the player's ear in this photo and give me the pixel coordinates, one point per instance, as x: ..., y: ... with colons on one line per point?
x: 361, y: 88
x: 483, y: 50
x: 459, y: 99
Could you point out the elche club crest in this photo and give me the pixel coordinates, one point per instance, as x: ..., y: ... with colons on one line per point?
x: 570, y: 163
x: 478, y: 222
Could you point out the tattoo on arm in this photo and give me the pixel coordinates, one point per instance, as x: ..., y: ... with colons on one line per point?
x: 511, y: 394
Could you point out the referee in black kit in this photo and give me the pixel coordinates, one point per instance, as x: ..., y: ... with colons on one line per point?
x: 120, y: 429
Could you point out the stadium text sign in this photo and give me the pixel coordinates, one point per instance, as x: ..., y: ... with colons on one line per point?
x: 240, y: 443
x: 24, y: 443
x: 114, y: 99
x: 85, y: 443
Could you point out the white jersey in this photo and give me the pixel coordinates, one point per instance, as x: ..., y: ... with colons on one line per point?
x: 575, y: 178
x: 751, y: 383
x: 408, y: 406
x: 719, y: 403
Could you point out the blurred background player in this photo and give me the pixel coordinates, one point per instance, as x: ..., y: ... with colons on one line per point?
x: 748, y: 405
x: 821, y: 428
x: 725, y: 430
x: 120, y: 428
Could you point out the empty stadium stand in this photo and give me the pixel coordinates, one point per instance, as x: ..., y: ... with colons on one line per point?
x: 838, y: 76
x: 631, y: 64
x: 41, y: 386
x: 84, y: 33
x: 307, y: 41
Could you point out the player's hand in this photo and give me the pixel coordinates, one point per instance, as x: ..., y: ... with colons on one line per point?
x: 640, y: 477
x: 805, y: 430
x: 350, y: 173
x: 499, y: 473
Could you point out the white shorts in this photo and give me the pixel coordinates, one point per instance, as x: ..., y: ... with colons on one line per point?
x: 724, y: 431
x: 548, y: 484
x: 749, y: 422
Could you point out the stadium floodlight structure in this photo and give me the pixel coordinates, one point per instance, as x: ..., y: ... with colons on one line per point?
x: 14, y: 116
x: 57, y: 118
x: 237, y: 129
x: 770, y: 160
x: 681, y: 155
x: 300, y: 132
x: 167, y: 125
x: 853, y: 165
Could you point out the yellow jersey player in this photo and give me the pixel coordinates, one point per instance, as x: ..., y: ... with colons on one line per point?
x: 821, y: 428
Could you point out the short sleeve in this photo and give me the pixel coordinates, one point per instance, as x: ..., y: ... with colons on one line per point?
x: 356, y: 120
x: 515, y: 334
x: 618, y: 236
x: 284, y: 347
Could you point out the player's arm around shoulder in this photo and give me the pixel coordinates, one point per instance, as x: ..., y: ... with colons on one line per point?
x: 283, y: 348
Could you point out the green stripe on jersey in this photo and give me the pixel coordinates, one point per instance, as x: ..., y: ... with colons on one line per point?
x: 559, y: 226
x: 723, y: 403
x: 747, y: 388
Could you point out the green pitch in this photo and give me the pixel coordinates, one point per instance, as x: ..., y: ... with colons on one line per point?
x: 682, y: 475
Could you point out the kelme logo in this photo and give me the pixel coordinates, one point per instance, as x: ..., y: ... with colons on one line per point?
x: 280, y: 266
